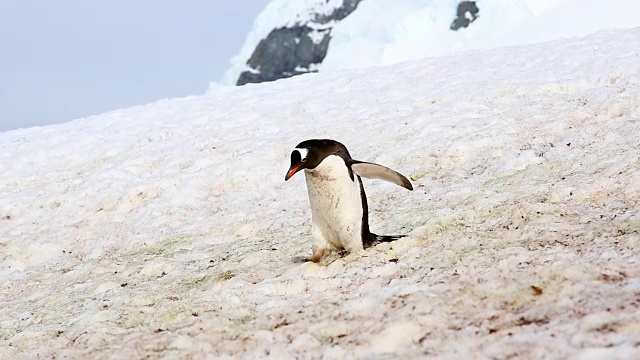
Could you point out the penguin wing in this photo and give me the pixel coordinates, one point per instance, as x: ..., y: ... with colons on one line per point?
x: 375, y: 171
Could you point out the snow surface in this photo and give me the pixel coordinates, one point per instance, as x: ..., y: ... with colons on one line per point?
x: 377, y: 34
x: 167, y: 230
x: 420, y: 28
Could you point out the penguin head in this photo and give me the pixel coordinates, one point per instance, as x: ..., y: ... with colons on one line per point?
x: 310, y: 153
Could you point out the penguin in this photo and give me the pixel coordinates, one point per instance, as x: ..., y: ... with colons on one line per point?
x: 339, y: 210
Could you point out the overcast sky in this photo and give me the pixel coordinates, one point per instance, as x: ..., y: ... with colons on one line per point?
x: 65, y: 59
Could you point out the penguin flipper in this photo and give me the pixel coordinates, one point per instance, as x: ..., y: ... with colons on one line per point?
x: 375, y: 171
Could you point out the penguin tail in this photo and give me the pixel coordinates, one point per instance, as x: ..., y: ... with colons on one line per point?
x: 377, y: 239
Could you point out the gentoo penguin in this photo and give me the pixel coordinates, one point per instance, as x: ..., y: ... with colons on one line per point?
x: 339, y: 211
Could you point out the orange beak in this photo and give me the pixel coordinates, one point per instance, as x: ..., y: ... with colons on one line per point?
x: 292, y: 171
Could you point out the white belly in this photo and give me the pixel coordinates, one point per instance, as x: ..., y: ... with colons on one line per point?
x: 336, y: 206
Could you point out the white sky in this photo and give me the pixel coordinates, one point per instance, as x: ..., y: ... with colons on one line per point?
x: 65, y: 59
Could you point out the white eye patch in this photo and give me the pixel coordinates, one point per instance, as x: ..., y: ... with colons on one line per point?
x: 303, y: 153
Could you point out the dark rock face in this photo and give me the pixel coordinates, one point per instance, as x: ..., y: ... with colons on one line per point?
x: 291, y: 51
x: 284, y: 53
x: 467, y: 13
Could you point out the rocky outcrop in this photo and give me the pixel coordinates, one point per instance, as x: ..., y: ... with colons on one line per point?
x: 467, y: 13
x: 295, y: 50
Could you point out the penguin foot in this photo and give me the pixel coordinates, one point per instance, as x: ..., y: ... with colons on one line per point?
x: 317, y: 255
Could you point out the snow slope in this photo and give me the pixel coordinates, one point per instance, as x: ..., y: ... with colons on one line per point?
x: 420, y: 28
x: 377, y: 34
x: 167, y: 230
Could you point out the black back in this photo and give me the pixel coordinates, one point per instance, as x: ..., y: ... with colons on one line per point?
x: 319, y: 149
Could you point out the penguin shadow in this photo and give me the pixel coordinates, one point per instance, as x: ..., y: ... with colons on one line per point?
x: 300, y: 259
x: 327, y: 259
x: 381, y: 251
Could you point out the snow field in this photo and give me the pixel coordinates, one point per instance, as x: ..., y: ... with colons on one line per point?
x: 167, y: 230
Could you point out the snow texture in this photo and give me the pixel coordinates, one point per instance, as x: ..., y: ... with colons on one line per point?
x: 167, y: 230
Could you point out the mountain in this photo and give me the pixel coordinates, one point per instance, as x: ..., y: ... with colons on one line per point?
x: 167, y: 230
x: 296, y: 49
x: 297, y: 37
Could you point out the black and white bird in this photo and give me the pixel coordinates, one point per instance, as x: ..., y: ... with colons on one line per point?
x: 339, y: 211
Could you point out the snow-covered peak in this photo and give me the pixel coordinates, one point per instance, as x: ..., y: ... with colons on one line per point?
x: 381, y: 33
x: 277, y: 14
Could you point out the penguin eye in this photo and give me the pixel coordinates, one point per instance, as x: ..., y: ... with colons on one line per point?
x: 303, y: 154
